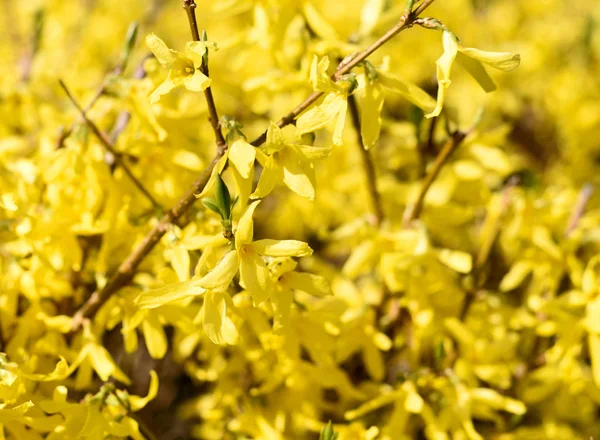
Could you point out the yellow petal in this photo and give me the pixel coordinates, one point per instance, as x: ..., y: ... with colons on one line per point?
x: 495, y: 400
x: 444, y: 67
x: 370, y: 114
x: 254, y: 275
x: 104, y: 365
x: 220, y: 277
x: 461, y: 262
x: 370, y: 14
x: 152, y: 299
x: 197, y: 82
x: 136, y: 403
x: 269, y: 176
x: 407, y: 90
x: 477, y: 71
x: 275, y: 141
x: 340, y: 121
x: 306, y: 282
x: 505, y: 61
x: 155, y: 337
x: 245, y: 228
x: 594, y: 348
x: 313, y: 153
x: 298, y: 175
x: 242, y: 155
x: 195, y: 50
x: 168, y: 84
x: 61, y: 371
x: 282, y: 248
x: 214, y: 313
x: 165, y: 56
x: 318, y: 23
x: 322, y: 114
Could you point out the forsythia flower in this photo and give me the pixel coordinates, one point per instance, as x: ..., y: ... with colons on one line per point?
x: 288, y: 163
x: 246, y: 258
x: 183, y: 69
x: 332, y: 107
x: 472, y: 60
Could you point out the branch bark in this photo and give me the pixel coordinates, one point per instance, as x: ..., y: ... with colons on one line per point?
x: 414, y: 211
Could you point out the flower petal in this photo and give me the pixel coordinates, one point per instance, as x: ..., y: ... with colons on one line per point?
x: 254, y: 275
x: 220, y: 277
x: 165, y: 56
x: 282, y: 248
x: 444, y: 67
x: 245, y: 228
x: 197, y: 82
x: 152, y: 299
x: 242, y: 156
x: 298, y: 175
x: 167, y: 85
x: 322, y: 114
x: 505, y: 61
x: 270, y: 175
x: 407, y: 90
x: 214, y: 314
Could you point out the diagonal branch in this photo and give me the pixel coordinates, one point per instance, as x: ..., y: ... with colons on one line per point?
x: 107, y: 143
x: 347, y: 65
x: 127, y: 268
x: 414, y: 211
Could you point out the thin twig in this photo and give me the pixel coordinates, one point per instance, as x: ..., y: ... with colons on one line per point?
x: 190, y: 9
x: 104, y: 139
x: 126, y: 270
x: 584, y: 197
x: 347, y: 65
x: 427, y: 149
x: 117, y: 71
x: 490, y: 235
x: 414, y: 211
x: 367, y: 162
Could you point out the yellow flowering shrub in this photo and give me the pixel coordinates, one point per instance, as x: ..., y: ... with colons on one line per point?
x: 300, y: 219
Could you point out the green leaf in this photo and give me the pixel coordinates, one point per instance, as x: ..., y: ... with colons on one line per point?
x: 212, y: 205
x: 327, y: 433
x: 223, y: 198
x: 130, y: 40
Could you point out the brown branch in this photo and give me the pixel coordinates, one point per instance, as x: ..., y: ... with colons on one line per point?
x: 106, y: 142
x: 127, y: 269
x: 190, y: 9
x: 582, y: 200
x: 494, y: 220
x: 367, y: 162
x: 118, y: 70
x: 347, y: 65
x: 414, y: 211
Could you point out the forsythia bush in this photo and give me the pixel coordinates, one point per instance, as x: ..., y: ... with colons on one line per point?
x: 184, y: 253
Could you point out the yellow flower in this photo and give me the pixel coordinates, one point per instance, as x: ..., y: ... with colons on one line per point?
x: 333, y: 106
x: 184, y: 69
x: 472, y: 60
x: 287, y: 163
x: 246, y: 258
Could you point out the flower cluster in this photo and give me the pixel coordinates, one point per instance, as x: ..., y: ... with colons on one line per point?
x: 402, y: 254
